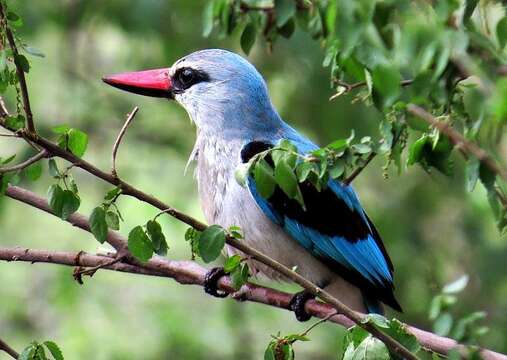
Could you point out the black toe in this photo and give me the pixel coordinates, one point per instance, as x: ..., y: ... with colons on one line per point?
x: 211, y: 282
x: 297, y: 304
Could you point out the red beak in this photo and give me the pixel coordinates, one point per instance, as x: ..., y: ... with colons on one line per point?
x: 155, y: 83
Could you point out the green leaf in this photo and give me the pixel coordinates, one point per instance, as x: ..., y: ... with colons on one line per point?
x: 139, y: 244
x: 398, y: 331
x: 501, y: 32
x: 386, y: 80
x: 456, y: 286
x: 231, y: 263
x: 377, y: 320
x: 284, y: 10
x: 443, y: 324
x: 56, y: 199
x: 239, y: 276
x: 34, y: 171
x: 98, y: 224
x: 248, y: 38
x: 208, y: 18
x: 54, y: 350
x: 40, y: 353
x: 269, y: 354
x: 286, y: 179
x: 15, y: 122
x: 111, y: 194
x: 211, y: 243
x: 339, y: 145
x: 241, y: 174
x: 487, y: 176
x: 371, y: 349
x: 14, y: 19
x: 77, y: 142
x: 28, y: 353
x: 112, y: 220
x: 35, y: 52
x: 22, y: 62
x: 264, y: 180
x: 61, y: 129
x: 337, y: 170
x: 70, y: 203
x: 415, y: 151
x: 157, y: 237
x: 472, y: 173
x: 53, y: 168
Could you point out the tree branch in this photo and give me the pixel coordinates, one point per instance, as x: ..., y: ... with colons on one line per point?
x: 24, y: 164
x: 189, y: 272
x: 21, y: 75
x: 5, y: 347
x: 458, y: 140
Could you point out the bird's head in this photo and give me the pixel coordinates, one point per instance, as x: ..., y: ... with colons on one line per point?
x: 220, y: 90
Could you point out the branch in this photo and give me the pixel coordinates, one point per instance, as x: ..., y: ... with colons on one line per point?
x: 128, y: 189
x: 359, y: 169
x: 5, y: 347
x: 458, y: 140
x: 189, y: 272
x: 21, y: 75
x: 24, y: 164
x: 346, y: 87
x: 116, y: 145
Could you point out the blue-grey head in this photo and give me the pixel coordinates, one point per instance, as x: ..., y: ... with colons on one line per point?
x: 221, y: 91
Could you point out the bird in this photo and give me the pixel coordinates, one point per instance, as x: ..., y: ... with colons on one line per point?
x: 331, y: 242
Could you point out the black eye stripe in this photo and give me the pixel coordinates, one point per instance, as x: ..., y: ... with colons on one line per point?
x: 186, y: 77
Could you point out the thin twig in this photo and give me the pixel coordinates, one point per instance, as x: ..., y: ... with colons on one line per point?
x: 458, y: 140
x: 5, y: 347
x: 117, y: 143
x: 359, y: 169
x: 43, y: 153
x: 91, y: 271
x: 21, y: 75
x: 304, y: 333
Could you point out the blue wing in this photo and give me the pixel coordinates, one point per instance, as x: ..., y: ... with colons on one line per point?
x: 334, y: 228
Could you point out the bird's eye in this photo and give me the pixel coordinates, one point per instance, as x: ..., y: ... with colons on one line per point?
x: 186, y: 77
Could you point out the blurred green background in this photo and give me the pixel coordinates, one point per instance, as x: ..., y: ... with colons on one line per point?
x: 434, y: 230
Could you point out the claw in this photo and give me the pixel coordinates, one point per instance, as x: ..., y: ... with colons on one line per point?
x: 297, y: 304
x: 211, y: 282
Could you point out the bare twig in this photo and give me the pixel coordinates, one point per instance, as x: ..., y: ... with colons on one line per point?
x: 458, y: 140
x: 5, y: 347
x: 359, y: 169
x: 21, y: 75
x: 24, y: 164
x: 323, y: 320
x: 91, y: 271
x: 117, y: 143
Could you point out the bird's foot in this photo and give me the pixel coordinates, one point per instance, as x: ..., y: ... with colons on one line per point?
x: 297, y: 304
x: 211, y: 282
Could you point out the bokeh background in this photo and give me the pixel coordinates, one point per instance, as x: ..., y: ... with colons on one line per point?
x: 434, y: 230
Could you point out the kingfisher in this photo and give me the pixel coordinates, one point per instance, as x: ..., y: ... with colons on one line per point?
x: 331, y: 242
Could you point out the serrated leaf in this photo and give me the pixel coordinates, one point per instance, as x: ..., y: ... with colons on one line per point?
x: 98, y: 224
x: 211, y: 243
x: 247, y: 39
x: 139, y: 244
x: 28, y: 353
x: 54, y: 350
x: 77, y: 142
x: 157, y: 237
x: 112, y: 220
